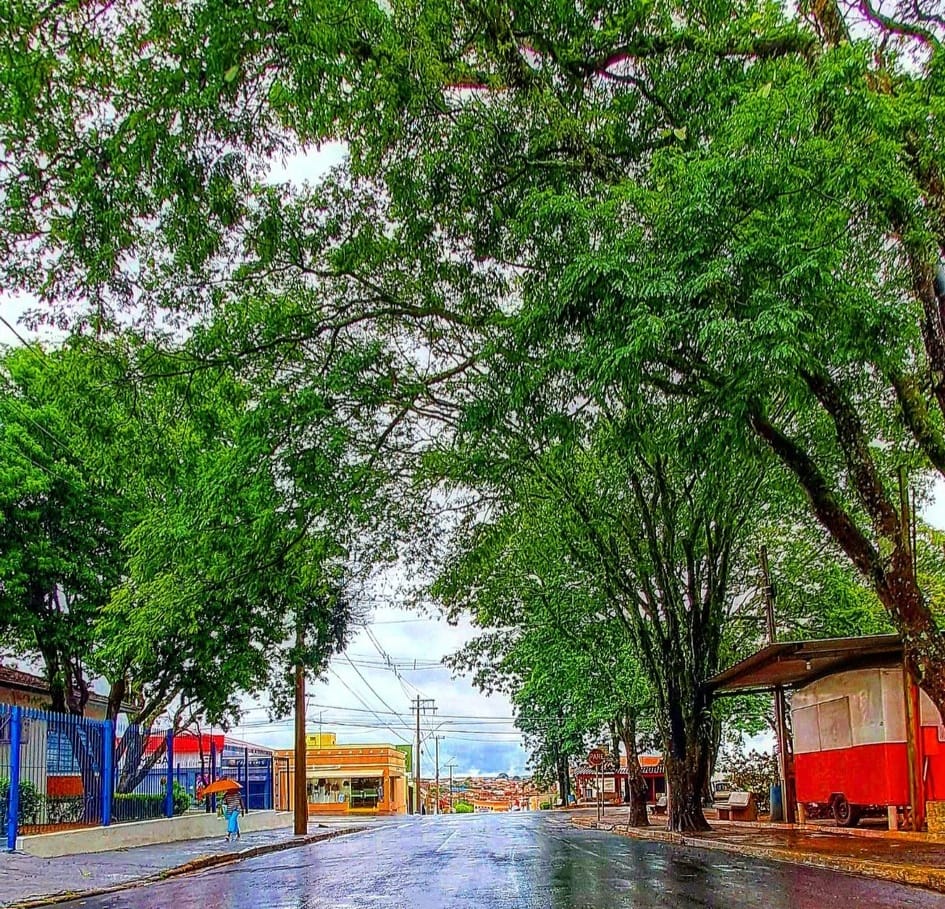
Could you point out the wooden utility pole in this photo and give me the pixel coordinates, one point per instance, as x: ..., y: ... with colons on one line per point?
x: 451, y: 766
x: 436, y: 751
x: 780, y: 706
x: 301, y: 759
x: 419, y: 704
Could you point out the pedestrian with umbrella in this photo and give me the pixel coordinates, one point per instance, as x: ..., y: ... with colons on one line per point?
x: 232, y: 804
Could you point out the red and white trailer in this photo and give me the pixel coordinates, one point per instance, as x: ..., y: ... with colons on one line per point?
x: 852, y: 744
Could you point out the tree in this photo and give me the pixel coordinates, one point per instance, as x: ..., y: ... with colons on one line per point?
x: 175, y: 519
x: 61, y: 529
x: 550, y: 645
x: 739, y: 204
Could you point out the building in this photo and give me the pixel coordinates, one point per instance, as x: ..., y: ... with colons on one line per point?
x: 614, y: 783
x: 345, y: 779
x: 23, y: 689
x: 198, y: 759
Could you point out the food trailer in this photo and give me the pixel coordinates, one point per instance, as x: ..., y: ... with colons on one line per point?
x: 866, y: 740
x: 851, y: 747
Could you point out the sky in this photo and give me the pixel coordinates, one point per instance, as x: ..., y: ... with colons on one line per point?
x: 366, y: 694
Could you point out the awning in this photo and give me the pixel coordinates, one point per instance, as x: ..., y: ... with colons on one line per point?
x: 793, y: 664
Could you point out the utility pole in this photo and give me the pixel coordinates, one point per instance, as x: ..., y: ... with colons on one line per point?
x: 436, y: 751
x: 301, y: 760
x: 780, y: 706
x: 419, y: 705
x: 451, y: 766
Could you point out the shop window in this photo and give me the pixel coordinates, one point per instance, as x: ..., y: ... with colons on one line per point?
x: 366, y: 792
x: 322, y: 791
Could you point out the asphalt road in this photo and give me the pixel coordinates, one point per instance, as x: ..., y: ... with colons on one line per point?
x: 526, y: 861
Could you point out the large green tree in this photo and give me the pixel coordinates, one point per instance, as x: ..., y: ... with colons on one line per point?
x: 169, y: 528
x: 737, y: 203
x: 550, y: 643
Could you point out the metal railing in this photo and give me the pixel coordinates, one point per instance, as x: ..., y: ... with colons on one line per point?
x: 61, y: 772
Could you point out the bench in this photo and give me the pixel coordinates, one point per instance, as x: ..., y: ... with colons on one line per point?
x: 660, y: 806
x: 740, y: 806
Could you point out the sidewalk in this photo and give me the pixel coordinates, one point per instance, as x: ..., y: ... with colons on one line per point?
x: 27, y: 881
x: 905, y: 858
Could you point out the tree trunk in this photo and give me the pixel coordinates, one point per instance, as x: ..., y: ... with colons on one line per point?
x: 637, y: 788
x: 686, y: 757
x: 564, y: 781
x: 685, y: 775
x: 892, y: 578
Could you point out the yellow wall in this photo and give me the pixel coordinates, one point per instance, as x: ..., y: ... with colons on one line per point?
x: 347, y: 762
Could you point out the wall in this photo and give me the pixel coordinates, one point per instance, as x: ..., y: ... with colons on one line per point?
x: 190, y: 826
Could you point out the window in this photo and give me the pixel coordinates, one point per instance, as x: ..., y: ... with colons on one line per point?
x: 322, y: 791
x: 6, y: 729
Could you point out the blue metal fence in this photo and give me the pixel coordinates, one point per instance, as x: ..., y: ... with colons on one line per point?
x: 61, y: 772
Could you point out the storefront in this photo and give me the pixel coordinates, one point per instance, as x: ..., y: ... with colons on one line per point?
x: 346, y: 779
x: 614, y: 783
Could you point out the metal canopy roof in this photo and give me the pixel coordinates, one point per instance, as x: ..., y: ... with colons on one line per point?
x: 793, y: 664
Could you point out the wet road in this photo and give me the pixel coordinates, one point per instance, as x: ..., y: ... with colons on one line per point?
x: 526, y: 861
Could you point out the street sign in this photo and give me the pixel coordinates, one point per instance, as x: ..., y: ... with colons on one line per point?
x: 596, y: 757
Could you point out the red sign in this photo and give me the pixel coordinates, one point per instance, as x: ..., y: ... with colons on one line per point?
x: 596, y: 757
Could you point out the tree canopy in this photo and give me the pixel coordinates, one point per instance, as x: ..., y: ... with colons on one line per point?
x: 665, y: 259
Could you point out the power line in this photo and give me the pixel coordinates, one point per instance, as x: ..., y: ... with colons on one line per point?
x: 370, y: 709
x: 407, y: 713
x: 370, y: 686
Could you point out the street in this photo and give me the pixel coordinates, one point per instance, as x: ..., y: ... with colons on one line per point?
x: 500, y: 861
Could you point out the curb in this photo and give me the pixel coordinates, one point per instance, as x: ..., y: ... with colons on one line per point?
x: 899, y: 873
x: 198, y: 864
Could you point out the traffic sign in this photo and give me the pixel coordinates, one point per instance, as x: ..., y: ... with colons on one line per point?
x: 596, y: 757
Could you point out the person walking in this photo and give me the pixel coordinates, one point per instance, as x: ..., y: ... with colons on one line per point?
x: 232, y: 808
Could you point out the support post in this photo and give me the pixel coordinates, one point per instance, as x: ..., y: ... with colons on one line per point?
x: 416, y: 768
x: 246, y: 779
x: 13, y: 796
x: 451, y: 787
x: 169, y: 790
x: 419, y: 704
x: 300, y: 794
x: 780, y: 705
x: 914, y: 750
x: 213, y: 770
x: 108, y: 771
x: 436, y: 751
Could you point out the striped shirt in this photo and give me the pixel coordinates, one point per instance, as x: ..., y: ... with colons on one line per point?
x: 232, y: 800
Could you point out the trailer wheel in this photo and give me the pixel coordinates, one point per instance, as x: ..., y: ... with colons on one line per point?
x: 845, y: 814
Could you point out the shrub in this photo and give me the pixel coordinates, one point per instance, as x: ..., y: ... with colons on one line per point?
x: 545, y: 806
x: 754, y: 771
x: 182, y: 798
x: 31, y: 802
x: 463, y: 808
x: 137, y: 806
x: 65, y: 809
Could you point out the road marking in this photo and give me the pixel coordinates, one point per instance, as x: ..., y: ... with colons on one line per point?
x: 442, y: 845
